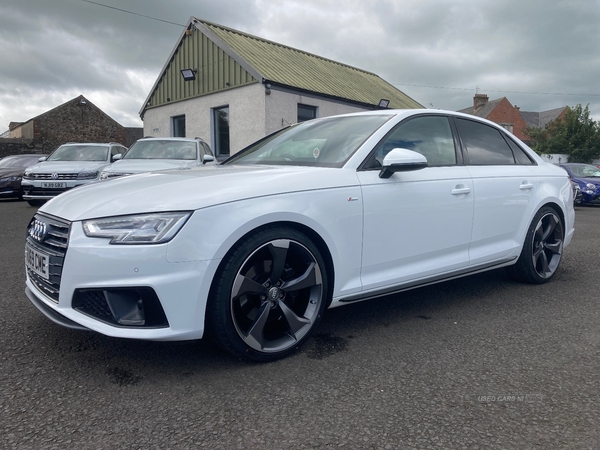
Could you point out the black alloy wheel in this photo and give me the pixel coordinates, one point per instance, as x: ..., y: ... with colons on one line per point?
x: 542, y: 250
x: 269, y: 295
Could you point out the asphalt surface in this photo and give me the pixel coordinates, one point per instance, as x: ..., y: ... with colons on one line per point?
x: 480, y: 362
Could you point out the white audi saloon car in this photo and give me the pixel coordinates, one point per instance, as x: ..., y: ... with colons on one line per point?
x: 318, y: 215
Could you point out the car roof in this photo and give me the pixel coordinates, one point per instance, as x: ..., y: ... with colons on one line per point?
x: 413, y: 112
x: 90, y: 143
x: 170, y: 138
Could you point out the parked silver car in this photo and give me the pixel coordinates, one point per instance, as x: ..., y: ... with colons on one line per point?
x: 151, y: 154
x: 69, y: 166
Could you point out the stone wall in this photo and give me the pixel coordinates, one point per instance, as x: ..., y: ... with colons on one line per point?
x: 132, y: 134
x: 77, y: 120
x: 18, y: 147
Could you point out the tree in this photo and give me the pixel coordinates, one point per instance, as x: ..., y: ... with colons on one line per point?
x: 575, y: 134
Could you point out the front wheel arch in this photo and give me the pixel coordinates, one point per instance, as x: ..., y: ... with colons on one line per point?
x: 309, y: 233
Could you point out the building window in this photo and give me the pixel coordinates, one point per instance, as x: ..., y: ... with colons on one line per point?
x: 178, y: 126
x: 306, y: 112
x: 221, y: 130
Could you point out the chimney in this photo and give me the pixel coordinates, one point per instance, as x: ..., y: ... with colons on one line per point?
x: 479, y: 100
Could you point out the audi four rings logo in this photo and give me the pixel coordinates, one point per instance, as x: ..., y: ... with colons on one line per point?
x: 38, y: 230
x: 55, y: 176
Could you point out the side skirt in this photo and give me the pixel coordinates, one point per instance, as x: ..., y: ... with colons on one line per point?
x: 426, y: 281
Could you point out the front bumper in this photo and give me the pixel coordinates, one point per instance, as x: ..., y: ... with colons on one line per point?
x: 34, y: 190
x: 50, y: 313
x: 10, y: 189
x: 593, y: 199
x: 94, y: 265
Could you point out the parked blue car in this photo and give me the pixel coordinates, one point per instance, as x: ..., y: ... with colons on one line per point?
x: 587, y: 176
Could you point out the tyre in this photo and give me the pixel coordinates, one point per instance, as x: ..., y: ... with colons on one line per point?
x: 36, y: 202
x: 542, y: 249
x: 268, y: 295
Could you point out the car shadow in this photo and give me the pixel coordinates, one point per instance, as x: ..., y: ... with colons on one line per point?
x: 129, y: 362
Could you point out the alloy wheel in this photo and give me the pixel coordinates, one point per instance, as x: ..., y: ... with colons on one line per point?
x: 547, y: 245
x: 276, y: 296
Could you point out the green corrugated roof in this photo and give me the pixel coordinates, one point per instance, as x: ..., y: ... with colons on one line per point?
x: 295, y: 68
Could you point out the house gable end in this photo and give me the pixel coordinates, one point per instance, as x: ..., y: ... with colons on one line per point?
x: 216, y: 70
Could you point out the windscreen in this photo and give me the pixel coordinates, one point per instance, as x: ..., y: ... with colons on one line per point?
x: 585, y: 171
x: 327, y: 142
x: 162, y: 149
x: 80, y: 153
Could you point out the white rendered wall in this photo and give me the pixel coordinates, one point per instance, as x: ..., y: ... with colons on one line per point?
x: 252, y: 114
x: 246, y: 116
x: 282, y: 108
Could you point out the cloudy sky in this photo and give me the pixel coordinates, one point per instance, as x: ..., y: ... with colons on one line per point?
x: 540, y: 54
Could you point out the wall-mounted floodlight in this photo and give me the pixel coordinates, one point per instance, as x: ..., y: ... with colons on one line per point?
x: 189, y: 74
x: 383, y: 103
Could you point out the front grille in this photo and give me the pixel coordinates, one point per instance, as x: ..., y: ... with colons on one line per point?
x: 53, y: 242
x: 30, y: 190
x: 48, y: 176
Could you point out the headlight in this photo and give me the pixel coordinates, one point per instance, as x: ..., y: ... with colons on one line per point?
x: 155, y: 228
x: 88, y: 175
x: 9, y: 179
x: 590, y: 188
x: 27, y: 174
x: 110, y: 175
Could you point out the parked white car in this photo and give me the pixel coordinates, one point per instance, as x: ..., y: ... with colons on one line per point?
x: 318, y: 215
x: 150, y: 154
x: 69, y: 166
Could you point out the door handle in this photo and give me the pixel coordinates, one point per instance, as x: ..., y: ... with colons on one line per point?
x: 460, y: 190
x: 525, y: 185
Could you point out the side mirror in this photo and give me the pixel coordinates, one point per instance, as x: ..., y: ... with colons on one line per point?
x: 42, y: 159
x: 401, y: 160
x: 207, y: 158
x: 117, y: 157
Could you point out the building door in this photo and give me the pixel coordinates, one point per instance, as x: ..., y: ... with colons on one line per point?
x: 221, y: 131
x: 178, y: 126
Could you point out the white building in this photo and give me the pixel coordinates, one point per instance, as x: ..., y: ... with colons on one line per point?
x: 231, y: 88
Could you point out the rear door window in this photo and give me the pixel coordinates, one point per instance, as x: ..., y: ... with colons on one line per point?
x: 484, y: 144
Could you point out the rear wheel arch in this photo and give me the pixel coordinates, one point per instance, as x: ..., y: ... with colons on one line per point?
x: 543, y: 246
x: 558, y: 210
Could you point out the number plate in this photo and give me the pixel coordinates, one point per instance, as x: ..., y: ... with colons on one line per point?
x: 37, y: 261
x: 54, y: 185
